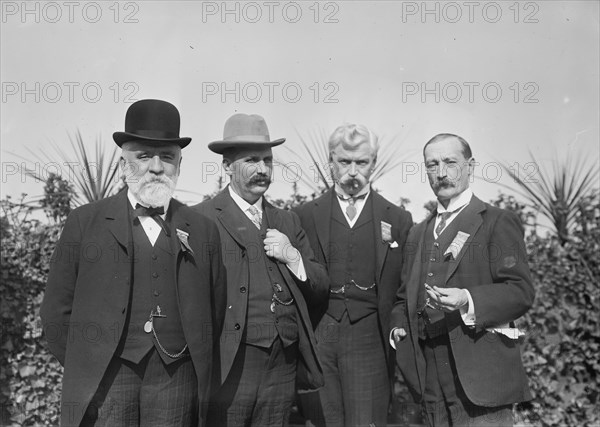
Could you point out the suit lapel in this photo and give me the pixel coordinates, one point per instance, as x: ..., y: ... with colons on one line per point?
x: 415, y: 267
x: 229, y: 217
x: 469, y: 222
x: 380, y: 213
x: 322, y: 218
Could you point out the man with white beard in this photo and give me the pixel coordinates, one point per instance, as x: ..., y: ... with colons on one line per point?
x: 136, y: 292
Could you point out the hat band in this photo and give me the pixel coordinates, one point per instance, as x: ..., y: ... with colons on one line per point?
x: 154, y: 133
x: 248, y: 138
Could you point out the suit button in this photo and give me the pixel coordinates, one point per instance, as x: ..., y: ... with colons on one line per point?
x: 237, y: 326
x: 155, y: 275
x: 243, y: 289
x: 430, y: 274
x: 431, y: 259
x: 436, y: 245
x: 154, y: 257
x: 156, y: 293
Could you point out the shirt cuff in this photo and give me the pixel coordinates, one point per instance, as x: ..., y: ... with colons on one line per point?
x: 301, y: 274
x: 467, y: 312
x: 392, y: 342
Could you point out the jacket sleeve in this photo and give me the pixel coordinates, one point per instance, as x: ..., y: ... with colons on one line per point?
x: 56, y: 307
x: 511, y: 292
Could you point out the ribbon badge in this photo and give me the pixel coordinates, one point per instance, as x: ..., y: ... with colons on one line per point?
x: 386, y: 234
x: 457, y: 244
x: 183, y: 241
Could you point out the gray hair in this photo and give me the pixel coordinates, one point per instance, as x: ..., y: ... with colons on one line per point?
x: 351, y: 136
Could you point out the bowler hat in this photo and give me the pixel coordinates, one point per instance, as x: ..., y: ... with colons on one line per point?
x: 151, y: 120
x: 244, y: 130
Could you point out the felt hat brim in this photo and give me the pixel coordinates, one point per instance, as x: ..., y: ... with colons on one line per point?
x: 122, y: 137
x: 220, y: 146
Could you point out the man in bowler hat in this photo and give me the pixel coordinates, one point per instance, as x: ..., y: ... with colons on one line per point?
x: 267, y: 340
x: 136, y: 292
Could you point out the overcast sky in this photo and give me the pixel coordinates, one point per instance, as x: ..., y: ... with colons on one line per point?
x: 509, y: 77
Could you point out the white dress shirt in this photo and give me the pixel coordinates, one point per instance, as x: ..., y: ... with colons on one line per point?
x: 150, y: 226
x: 244, y: 206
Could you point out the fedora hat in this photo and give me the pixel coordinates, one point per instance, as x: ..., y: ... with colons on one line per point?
x: 244, y: 130
x: 151, y: 120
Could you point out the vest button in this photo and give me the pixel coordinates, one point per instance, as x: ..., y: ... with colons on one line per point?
x: 237, y: 326
x: 154, y: 257
x: 430, y: 274
x: 155, y: 275
x: 436, y: 244
x: 156, y: 293
x: 243, y: 289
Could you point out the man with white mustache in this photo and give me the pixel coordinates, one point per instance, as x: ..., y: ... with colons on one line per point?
x: 136, y: 293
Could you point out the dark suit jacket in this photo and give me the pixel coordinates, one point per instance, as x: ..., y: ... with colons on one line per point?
x: 316, y: 219
x: 235, y: 251
x: 492, y: 265
x: 86, y: 299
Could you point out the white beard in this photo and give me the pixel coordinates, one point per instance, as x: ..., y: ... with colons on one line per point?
x: 153, y: 191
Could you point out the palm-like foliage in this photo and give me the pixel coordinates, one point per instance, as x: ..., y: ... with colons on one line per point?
x: 557, y: 194
x: 93, y: 174
x: 319, y: 177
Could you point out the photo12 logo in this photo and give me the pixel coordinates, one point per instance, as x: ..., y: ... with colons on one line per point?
x: 71, y: 92
x: 451, y: 12
x: 50, y: 12
x: 471, y: 92
x: 251, y: 12
x: 253, y: 92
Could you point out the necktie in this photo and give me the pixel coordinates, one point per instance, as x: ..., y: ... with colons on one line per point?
x: 155, y: 214
x: 351, y: 209
x: 256, y: 217
x: 444, y: 217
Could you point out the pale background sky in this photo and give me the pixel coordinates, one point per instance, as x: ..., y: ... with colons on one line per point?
x: 371, y: 57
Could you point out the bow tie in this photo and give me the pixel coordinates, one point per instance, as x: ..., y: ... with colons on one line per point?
x: 155, y: 214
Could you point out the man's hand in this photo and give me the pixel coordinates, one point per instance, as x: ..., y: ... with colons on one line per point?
x: 446, y: 299
x: 398, y: 334
x: 278, y: 246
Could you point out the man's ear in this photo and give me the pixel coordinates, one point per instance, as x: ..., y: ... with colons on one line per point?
x: 471, y: 162
x: 122, y: 165
x: 227, y: 167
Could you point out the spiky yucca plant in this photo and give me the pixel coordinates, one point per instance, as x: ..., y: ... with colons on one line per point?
x: 93, y: 174
x: 556, y: 194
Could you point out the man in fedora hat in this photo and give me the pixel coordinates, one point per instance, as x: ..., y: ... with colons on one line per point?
x: 136, y: 291
x: 271, y: 277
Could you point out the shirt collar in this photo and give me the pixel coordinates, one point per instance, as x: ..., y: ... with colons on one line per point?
x: 134, y: 201
x: 457, y: 202
x: 242, y: 204
x: 366, y: 190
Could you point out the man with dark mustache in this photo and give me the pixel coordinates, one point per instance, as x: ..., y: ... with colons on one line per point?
x: 267, y: 340
x: 136, y: 291
x: 359, y: 236
x: 465, y: 282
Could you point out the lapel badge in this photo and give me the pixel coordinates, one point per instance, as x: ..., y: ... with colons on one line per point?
x: 183, y: 241
x: 386, y: 232
x: 457, y: 244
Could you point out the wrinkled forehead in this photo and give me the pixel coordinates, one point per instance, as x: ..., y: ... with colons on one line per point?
x: 355, y: 151
x: 131, y: 147
x: 445, y: 148
x: 234, y: 154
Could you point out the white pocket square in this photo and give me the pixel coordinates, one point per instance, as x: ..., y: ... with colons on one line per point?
x: 394, y: 244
